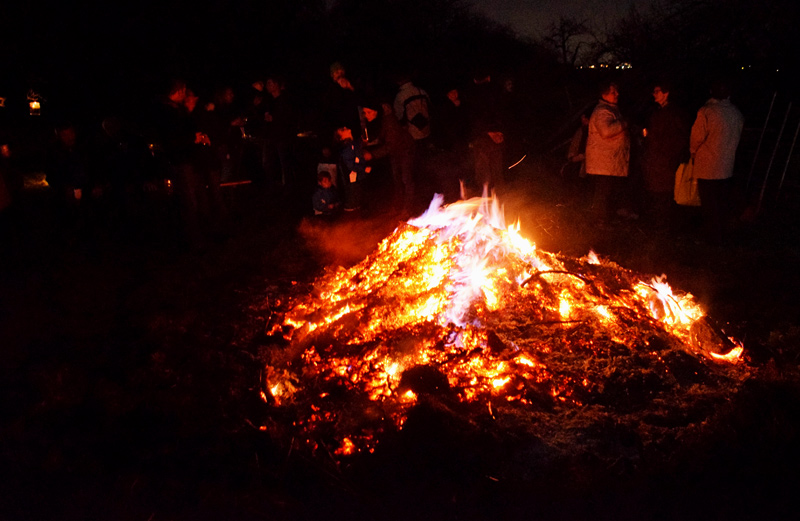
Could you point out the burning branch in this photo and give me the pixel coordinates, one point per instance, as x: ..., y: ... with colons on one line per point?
x: 454, y: 302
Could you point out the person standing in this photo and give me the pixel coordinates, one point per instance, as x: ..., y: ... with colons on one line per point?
x: 486, y: 127
x: 176, y: 136
x: 607, y: 151
x: 714, y: 139
x: 397, y: 144
x: 225, y: 131
x: 211, y: 213
x: 255, y: 128
x: 282, y: 130
x: 666, y: 146
x: 342, y: 103
x: 412, y: 109
x: 451, y: 134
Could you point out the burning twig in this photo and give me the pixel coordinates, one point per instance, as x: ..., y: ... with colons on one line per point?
x: 563, y: 272
x: 449, y: 306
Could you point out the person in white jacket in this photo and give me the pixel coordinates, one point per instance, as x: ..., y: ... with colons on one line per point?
x: 607, y: 151
x: 412, y: 108
x: 713, y: 143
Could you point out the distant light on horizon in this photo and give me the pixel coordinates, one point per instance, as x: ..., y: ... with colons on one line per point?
x: 621, y: 66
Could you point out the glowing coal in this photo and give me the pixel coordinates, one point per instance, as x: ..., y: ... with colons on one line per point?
x: 455, y: 302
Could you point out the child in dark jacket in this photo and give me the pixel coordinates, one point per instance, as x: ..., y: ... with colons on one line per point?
x: 325, y: 199
x: 353, y: 167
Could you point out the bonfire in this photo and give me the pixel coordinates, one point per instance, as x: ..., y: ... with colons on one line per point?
x: 456, y: 306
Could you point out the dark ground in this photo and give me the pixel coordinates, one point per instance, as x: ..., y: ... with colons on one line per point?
x: 130, y: 379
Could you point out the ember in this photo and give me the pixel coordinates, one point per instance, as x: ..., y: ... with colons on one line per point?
x: 455, y: 303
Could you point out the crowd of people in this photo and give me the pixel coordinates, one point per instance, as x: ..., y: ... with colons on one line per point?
x: 342, y: 146
x: 669, y: 142
x: 329, y: 161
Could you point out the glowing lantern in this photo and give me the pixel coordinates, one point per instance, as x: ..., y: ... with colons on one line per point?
x: 34, y: 103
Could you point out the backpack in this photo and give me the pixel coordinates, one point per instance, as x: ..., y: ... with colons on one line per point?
x: 416, y: 111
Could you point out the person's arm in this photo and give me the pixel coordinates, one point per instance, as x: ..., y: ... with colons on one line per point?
x: 574, y: 154
x: 399, y: 108
x: 608, y: 125
x: 318, y: 202
x: 699, y: 133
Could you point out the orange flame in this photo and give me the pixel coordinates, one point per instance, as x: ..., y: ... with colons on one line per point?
x: 457, y: 290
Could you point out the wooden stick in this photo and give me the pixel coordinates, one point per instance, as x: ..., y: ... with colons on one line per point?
x: 236, y: 183
x: 789, y: 157
x: 760, y: 139
x: 774, y: 150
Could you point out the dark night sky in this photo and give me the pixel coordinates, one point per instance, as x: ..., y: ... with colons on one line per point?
x: 138, y: 43
x: 533, y: 17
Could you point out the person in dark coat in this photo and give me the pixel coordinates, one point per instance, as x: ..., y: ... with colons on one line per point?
x: 5, y: 193
x: 68, y: 168
x: 486, y: 131
x: 12, y: 177
x: 255, y: 132
x: 452, y: 162
x: 325, y: 199
x: 206, y: 165
x: 666, y: 146
x: 341, y: 102
x: 282, y: 119
x: 176, y: 136
x: 452, y: 123
x: 396, y: 143
x: 7, y: 233
x: 225, y: 131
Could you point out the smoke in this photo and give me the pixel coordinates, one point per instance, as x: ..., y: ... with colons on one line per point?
x: 347, y: 240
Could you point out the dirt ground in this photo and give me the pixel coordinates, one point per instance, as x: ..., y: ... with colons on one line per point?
x: 130, y: 375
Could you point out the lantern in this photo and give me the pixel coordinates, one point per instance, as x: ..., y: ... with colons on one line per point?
x: 34, y: 103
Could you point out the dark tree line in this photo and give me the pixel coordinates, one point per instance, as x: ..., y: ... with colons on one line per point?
x: 98, y: 51
x: 686, y: 34
x: 689, y: 43
x: 102, y: 54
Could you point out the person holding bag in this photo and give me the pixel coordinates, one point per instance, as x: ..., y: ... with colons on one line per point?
x: 686, y: 193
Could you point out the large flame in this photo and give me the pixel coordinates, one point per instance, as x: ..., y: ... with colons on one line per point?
x: 460, y: 293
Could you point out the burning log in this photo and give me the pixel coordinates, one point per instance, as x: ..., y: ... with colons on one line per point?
x: 455, y: 304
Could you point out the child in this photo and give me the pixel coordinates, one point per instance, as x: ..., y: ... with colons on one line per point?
x: 327, y: 163
x: 353, y: 167
x: 325, y: 199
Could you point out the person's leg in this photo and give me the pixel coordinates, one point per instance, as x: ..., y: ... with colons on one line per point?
x: 659, y: 210
x: 603, y: 187
x: 496, y: 165
x: 714, y: 198
x: 187, y: 191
